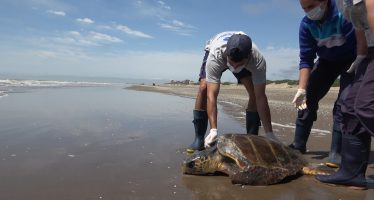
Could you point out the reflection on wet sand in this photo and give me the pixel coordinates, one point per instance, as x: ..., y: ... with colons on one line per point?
x: 213, y: 187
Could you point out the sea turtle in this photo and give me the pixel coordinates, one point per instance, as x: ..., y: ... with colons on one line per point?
x: 248, y: 159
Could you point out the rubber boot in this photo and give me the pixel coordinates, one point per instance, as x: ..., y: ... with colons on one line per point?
x: 334, y: 159
x: 253, y: 122
x: 355, y: 156
x: 302, y: 133
x: 200, y: 121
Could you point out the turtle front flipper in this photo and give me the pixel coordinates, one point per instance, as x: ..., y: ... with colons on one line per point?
x: 258, y: 175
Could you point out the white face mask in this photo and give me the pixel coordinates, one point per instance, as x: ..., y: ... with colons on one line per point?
x: 235, y: 70
x: 316, y: 13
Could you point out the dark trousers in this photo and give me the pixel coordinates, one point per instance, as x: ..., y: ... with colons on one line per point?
x: 357, y: 101
x: 321, y: 79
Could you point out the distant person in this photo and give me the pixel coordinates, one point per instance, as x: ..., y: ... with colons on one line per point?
x: 358, y: 100
x: 324, y: 33
x: 236, y: 52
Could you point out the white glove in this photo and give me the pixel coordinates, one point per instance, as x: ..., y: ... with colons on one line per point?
x: 211, y: 137
x: 299, y: 99
x: 356, y: 63
x: 302, y: 106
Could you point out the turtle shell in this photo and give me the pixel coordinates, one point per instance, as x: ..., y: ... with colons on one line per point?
x: 258, y: 160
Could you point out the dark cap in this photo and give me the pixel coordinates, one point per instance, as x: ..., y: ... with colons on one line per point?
x: 239, y: 47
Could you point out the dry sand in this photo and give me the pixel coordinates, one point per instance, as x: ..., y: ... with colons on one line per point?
x: 233, y: 100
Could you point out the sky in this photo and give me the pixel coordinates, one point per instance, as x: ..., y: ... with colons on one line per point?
x: 141, y: 39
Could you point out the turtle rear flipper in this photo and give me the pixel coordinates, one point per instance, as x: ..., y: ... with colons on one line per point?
x: 319, y: 169
x: 258, y: 175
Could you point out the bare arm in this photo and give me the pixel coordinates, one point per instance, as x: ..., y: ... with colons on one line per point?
x: 361, y: 42
x: 304, y: 74
x: 263, y: 107
x: 213, y: 90
x: 370, y: 13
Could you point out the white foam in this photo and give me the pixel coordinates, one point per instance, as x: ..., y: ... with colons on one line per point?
x: 42, y: 83
x: 6, y: 85
x: 3, y: 94
x: 314, y: 130
x: 319, y: 132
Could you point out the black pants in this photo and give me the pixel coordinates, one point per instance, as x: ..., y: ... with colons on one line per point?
x: 321, y: 79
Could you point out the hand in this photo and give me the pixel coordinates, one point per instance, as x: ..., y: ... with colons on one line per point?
x: 302, y: 106
x: 210, y: 137
x: 299, y: 99
x: 356, y: 63
x: 271, y: 136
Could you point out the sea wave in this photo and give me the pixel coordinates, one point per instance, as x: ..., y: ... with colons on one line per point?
x: 7, y: 85
x: 46, y: 83
x: 3, y: 94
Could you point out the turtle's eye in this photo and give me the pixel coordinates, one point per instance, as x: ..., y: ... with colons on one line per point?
x: 191, y: 164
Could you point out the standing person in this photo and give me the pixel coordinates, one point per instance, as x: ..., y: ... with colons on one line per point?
x: 236, y: 52
x: 324, y: 33
x: 358, y: 101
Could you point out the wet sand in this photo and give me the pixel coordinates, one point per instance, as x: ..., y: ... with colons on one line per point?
x: 114, y: 143
x: 233, y: 100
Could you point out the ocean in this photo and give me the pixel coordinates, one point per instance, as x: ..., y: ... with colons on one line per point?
x: 84, y: 140
x: 92, y: 140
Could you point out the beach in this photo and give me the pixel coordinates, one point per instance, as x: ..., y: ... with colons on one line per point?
x: 233, y: 99
x: 87, y: 141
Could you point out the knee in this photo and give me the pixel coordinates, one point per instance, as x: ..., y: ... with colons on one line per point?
x: 203, y: 87
x: 251, y: 106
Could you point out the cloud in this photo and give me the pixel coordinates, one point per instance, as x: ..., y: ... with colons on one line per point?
x: 63, y: 60
x: 69, y: 56
x: 103, y: 38
x: 159, y: 10
x: 266, y: 7
x: 163, y: 5
x: 178, y: 27
x: 46, y: 4
x: 55, y: 12
x: 85, y: 20
x: 75, y: 38
x: 162, y: 12
x: 45, y: 54
x: 131, y: 32
x: 282, y: 63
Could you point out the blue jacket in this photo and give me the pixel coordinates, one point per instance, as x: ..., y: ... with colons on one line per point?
x: 333, y: 39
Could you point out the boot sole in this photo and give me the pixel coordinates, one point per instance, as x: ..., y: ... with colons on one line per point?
x: 332, y: 165
x: 190, y: 150
x: 347, y: 186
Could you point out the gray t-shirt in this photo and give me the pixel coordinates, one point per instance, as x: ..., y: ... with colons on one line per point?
x: 355, y: 11
x: 216, y: 62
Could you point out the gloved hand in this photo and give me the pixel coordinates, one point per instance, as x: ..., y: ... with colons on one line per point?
x: 302, y: 106
x: 299, y: 99
x: 271, y: 136
x: 356, y: 63
x: 210, y: 137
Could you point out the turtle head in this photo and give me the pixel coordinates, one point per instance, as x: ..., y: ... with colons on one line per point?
x: 200, y: 163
